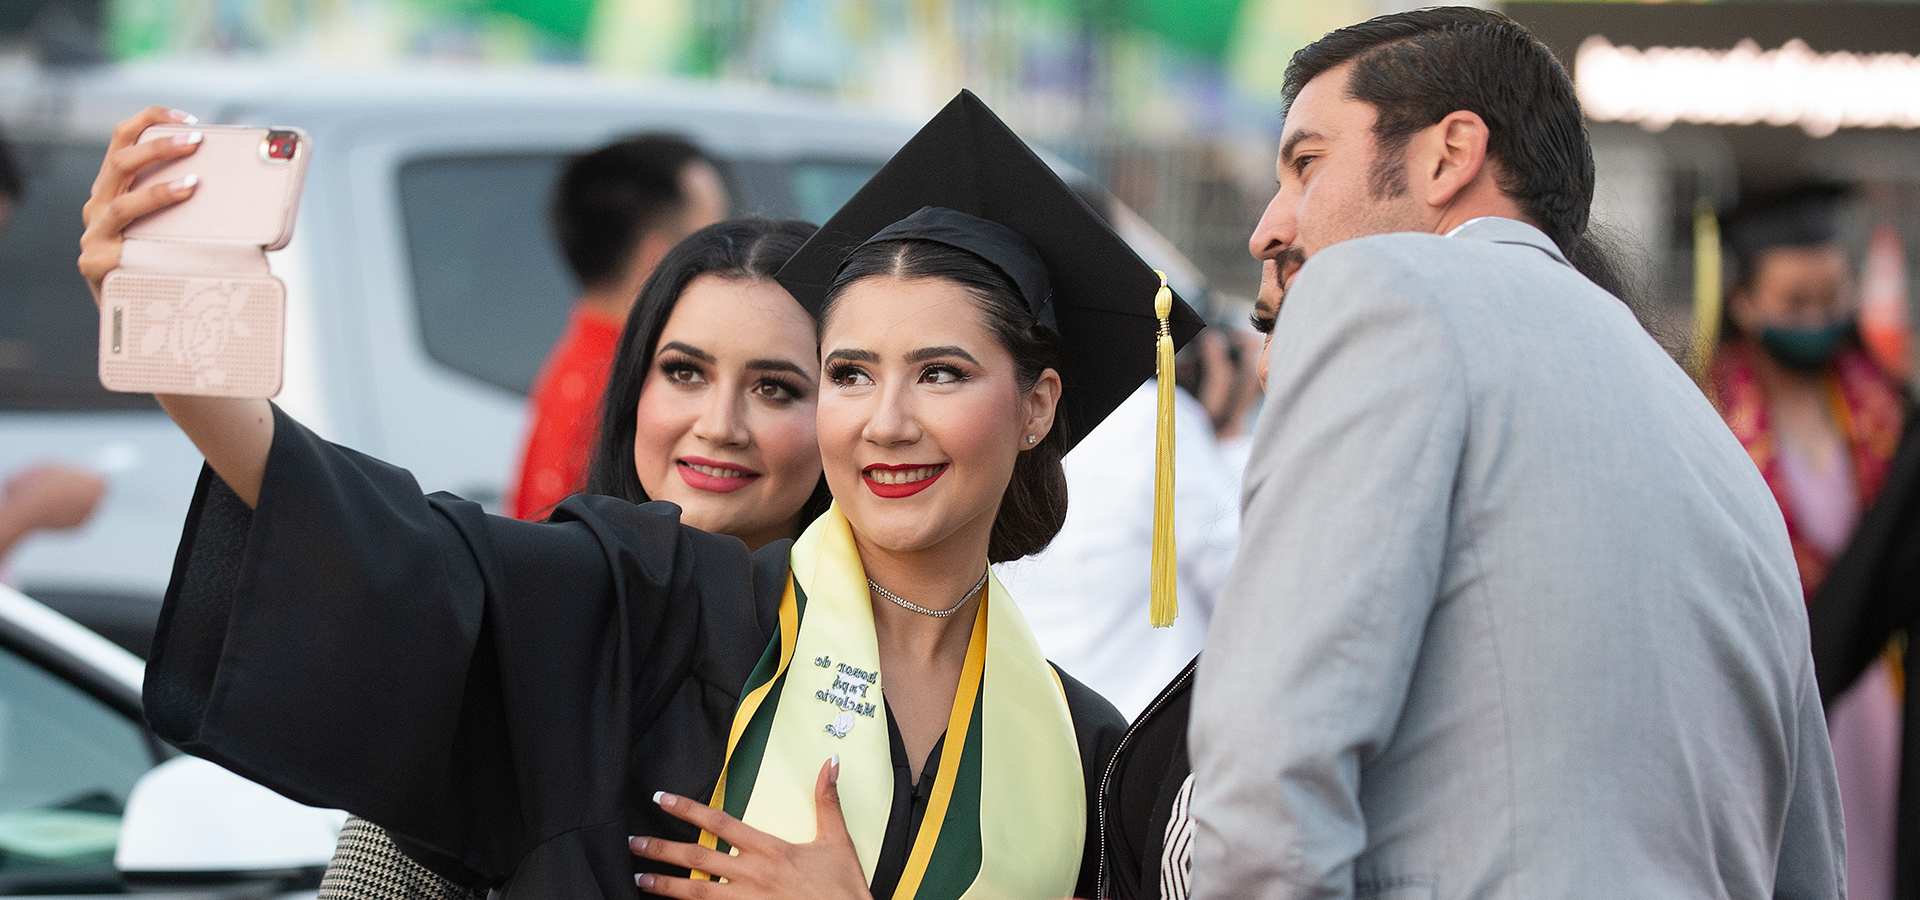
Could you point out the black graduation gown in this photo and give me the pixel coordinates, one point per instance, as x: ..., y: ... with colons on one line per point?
x: 504, y: 697
x: 1873, y: 591
x: 1137, y: 793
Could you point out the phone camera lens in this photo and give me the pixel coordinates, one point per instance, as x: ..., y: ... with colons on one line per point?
x: 282, y: 145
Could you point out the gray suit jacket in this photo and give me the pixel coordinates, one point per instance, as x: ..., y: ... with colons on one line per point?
x: 1514, y: 614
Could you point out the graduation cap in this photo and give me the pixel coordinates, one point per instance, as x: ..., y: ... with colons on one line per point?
x: 1801, y: 216
x: 966, y: 180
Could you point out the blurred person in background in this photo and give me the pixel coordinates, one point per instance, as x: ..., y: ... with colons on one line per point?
x: 48, y: 496
x: 616, y: 212
x: 683, y: 423
x: 1822, y: 422
x: 1514, y: 615
x: 1223, y: 377
x: 45, y: 497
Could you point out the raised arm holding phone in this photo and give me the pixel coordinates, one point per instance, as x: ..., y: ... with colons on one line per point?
x: 234, y: 434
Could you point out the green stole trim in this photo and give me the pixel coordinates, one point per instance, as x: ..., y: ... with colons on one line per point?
x: 1016, y: 833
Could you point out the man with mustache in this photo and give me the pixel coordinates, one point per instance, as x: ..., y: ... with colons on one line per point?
x: 1514, y: 615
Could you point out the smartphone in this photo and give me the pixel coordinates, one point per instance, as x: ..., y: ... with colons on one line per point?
x: 193, y: 307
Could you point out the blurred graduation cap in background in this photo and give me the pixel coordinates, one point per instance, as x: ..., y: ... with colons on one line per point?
x: 1803, y: 215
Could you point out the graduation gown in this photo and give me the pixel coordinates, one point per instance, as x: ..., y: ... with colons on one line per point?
x: 1139, y: 794
x: 1872, y: 592
x: 504, y: 697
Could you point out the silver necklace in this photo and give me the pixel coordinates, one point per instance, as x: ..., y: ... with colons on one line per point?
x: 936, y: 613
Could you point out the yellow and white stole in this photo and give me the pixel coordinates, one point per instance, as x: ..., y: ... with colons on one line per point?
x: 1007, y: 818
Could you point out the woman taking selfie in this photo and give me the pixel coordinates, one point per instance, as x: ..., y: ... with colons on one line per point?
x: 710, y: 405
x: 511, y: 697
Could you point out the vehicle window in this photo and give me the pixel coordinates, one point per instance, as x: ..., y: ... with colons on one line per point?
x: 820, y: 188
x: 49, y: 330
x: 491, y: 287
x: 67, y: 764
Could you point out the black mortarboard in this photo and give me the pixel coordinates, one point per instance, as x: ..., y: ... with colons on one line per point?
x: 1800, y: 216
x: 967, y: 161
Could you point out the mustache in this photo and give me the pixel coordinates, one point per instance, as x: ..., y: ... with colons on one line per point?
x: 1287, y: 261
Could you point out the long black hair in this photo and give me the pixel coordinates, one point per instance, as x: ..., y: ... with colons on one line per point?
x: 1034, y: 506
x: 746, y: 249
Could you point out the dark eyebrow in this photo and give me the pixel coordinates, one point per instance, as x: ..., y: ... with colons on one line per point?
x: 689, y: 350
x: 778, y: 365
x: 925, y: 353
x: 1293, y: 142
x: 865, y: 356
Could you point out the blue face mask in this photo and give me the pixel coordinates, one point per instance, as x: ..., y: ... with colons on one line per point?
x: 1806, y: 349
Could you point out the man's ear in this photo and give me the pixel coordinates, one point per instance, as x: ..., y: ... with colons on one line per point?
x: 1456, y: 156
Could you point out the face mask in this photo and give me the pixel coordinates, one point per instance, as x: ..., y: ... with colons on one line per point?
x: 1806, y: 349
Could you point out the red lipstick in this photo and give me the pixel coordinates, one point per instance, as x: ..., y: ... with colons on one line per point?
x: 721, y: 478
x: 908, y: 489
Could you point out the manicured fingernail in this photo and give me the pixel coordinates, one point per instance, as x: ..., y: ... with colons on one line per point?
x: 833, y: 769
x: 643, y: 881
x: 663, y: 798
x: 183, y: 117
x: 187, y: 183
x: 637, y: 844
x: 188, y: 139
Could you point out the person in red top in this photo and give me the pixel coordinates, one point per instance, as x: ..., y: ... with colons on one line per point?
x: 616, y: 212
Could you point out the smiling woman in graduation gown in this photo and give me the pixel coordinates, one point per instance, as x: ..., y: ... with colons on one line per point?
x: 505, y: 697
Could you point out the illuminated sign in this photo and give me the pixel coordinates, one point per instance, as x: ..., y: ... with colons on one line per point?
x: 1820, y: 92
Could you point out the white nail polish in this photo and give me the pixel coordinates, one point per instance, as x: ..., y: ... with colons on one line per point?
x: 184, y: 118
x: 188, y: 182
x: 636, y: 879
x: 195, y: 137
x: 659, y: 797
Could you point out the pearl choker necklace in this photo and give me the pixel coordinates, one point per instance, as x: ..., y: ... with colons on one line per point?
x: 903, y: 603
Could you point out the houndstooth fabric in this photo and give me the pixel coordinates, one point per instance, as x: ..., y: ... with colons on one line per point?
x: 367, y: 866
x: 1176, y: 855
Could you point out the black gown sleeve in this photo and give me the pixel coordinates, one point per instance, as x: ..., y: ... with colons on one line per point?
x: 471, y: 683
x: 1873, y: 591
x: 1097, y: 726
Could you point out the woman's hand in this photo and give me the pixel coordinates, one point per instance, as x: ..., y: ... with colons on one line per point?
x: 762, y: 866
x: 111, y: 207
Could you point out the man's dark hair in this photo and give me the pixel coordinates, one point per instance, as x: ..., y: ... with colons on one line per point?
x: 1416, y: 67
x: 610, y: 198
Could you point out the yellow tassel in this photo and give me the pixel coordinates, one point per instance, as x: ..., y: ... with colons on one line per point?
x: 1164, y: 604
x: 1706, y: 290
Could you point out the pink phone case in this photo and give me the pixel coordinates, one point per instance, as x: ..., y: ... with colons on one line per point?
x: 249, y: 186
x: 193, y: 307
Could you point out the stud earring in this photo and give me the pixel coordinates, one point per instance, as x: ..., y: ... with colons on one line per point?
x: 1032, y: 440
